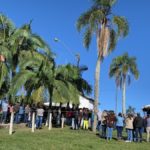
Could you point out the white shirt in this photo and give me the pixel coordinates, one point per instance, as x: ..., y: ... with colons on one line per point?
x: 99, y: 116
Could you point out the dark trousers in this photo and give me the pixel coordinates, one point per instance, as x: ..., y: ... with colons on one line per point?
x: 138, y: 134
x: 104, y: 131
x: 119, y: 132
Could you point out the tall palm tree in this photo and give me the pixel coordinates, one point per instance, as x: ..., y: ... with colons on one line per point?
x: 124, y: 66
x: 117, y: 77
x: 100, y: 21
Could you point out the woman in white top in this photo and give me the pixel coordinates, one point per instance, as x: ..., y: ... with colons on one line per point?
x: 129, y: 127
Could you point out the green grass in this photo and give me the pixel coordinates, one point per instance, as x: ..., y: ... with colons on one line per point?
x: 61, y: 139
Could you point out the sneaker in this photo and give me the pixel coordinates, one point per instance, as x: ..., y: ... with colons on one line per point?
x: 127, y: 141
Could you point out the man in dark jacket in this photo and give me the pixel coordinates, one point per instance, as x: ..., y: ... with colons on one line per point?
x: 138, y: 125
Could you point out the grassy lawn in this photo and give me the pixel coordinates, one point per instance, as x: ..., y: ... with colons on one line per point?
x: 61, y: 139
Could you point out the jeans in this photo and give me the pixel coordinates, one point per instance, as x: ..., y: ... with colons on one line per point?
x: 138, y: 131
x: 26, y: 118
x: 20, y: 118
x: 99, y: 126
x: 17, y: 117
x: 39, y: 121
x: 109, y: 132
x: 119, y: 131
x: 130, y: 135
x: 4, y: 116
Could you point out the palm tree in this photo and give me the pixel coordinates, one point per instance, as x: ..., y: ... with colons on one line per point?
x: 36, y: 72
x: 124, y: 66
x: 107, y: 27
x: 6, y: 29
x: 117, y: 77
x: 15, y: 40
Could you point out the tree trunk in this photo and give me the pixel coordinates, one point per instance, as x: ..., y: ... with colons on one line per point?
x: 11, y: 123
x: 50, y: 108
x: 33, y: 121
x: 96, y: 92
x: 62, y: 122
x: 124, y: 96
x: 116, y: 105
x: 50, y: 122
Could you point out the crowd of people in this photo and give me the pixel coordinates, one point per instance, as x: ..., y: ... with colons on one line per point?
x: 76, y: 118
x: 134, y: 125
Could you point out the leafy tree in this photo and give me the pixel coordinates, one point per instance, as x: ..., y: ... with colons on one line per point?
x: 124, y: 66
x: 100, y: 21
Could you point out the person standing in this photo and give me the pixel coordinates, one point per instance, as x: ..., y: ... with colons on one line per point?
x: 76, y: 121
x: 110, y: 119
x: 27, y: 111
x: 129, y: 127
x: 119, y: 126
x: 148, y: 127
x: 21, y: 113
x: 103, y: 123
x: 16, y: 110
x: 4, y: 110
x: 85, y: 119
x: 138, y: 124
x: 39, y: 116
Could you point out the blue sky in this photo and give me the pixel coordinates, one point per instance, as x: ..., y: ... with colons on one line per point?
x: 57, y: 18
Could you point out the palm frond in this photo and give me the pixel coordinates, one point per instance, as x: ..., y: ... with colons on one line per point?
x: 87, y: 37
x: 108, y: 3
x: 20, y: 80
x: 122, y: 25
x: 40, y: 43
x: 38, y: 95
x: 83, y: 20
x: 60, y: 93
x: 3, y: 72
x: 112, y: 41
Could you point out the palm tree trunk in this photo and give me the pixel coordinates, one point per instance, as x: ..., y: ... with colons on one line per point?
x: 116, y: 106
x: 50, y: 108
x: 96, y: 92
x: 11, y: 123
x: 33, y: 121
x: 124, y: 96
